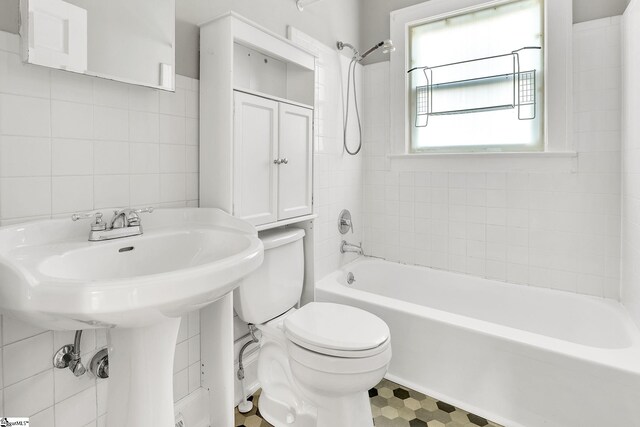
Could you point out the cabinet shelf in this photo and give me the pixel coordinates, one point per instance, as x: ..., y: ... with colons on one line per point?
x: 522, y: 83
x: 289, y: 221
x: 268, y: 96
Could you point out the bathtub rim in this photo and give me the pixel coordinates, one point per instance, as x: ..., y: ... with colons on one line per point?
x: 625, y: 360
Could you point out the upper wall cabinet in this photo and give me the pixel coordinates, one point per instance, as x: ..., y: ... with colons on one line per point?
x: 257, y: 92
x: 132, y: 41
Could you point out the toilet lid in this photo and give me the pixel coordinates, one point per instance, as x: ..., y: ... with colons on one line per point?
x: 339, y: 327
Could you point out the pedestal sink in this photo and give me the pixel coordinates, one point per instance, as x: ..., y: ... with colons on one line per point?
x: 138, y: 287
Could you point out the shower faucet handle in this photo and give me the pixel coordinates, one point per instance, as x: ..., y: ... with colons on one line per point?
x: 347, y: 224
x: 344, y: 222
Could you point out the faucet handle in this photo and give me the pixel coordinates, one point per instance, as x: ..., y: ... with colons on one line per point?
x: 97, y: 224
x: 150, y: 209
x: 134, y: 218
x: 86, y: 215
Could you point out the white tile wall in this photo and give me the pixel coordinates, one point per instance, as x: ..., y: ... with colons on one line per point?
x: 550, y: 222
x: 70, y: 143
x: 56, y: 127
x: 631, y: 163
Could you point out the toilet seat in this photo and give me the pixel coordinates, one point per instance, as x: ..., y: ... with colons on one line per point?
x: 337, y: 330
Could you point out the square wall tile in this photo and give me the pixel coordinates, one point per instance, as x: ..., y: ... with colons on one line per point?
x: 144, y: 126
x: 180, y: 385
x: 26, y: 358
x: 74, y: 87
x: 25, y: 116
x: 181, y: 358
x: 25, y: 197
x: 67, y: 385
x: 19, y: 78
x: 110, y: 93
x: 71, y: 194
x: 110, y: 191
x: 143, y: 99
x: 144, y: 158
x: 172, y: 158
x: 15, y: 330
x: 145, y: 189
x: 77, y: 410
x: 111, y: 157
x: 172, y: 187
x: 172, y: 129
x: 30, y: 396
x: 71, y: 120
x: 173, y: 103
x: 111, y: 124
x: 71, y: 157
x: 24, y: 156
x: 43, y: 418
x: 194, y: 377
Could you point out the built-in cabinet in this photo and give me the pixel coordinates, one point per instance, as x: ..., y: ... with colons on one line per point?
x: 272, y: 159
x: 257, y: 91
x: 256, y: 130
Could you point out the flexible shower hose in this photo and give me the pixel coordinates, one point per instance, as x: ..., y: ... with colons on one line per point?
x: 352, y: 69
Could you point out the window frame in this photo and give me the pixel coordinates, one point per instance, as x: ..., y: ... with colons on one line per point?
x: 557, y: 65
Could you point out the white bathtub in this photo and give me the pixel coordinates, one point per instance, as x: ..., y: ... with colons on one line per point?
x: 518, y: 355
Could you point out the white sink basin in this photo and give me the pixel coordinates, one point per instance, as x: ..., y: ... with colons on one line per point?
x: 138, y: 287
x: 186, y: 258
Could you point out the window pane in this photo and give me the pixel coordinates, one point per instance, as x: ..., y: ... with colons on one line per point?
x: 488, y: 85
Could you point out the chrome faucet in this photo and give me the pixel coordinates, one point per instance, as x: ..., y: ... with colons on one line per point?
x: 124, y: 223
x: 350, y: 247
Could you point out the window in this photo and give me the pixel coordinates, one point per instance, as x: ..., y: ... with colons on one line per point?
x: 478, y: 79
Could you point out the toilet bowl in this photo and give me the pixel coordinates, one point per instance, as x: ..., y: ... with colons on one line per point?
x: 316, y: 363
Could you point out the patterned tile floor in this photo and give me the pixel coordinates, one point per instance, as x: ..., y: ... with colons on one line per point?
x: 393, y: 405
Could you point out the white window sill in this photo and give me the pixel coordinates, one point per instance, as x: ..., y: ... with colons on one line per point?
x: 546, y: 162
x: 487, y: 155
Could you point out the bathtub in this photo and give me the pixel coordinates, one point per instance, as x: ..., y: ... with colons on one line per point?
x: 518, y: 355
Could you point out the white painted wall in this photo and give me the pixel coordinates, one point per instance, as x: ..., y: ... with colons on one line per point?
x: 631, y: 162
x: 71, y: 143
x: 542, y: 221
x: 326, y: 20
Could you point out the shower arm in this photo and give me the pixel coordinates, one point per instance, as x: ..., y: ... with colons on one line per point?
x: 371, y: 50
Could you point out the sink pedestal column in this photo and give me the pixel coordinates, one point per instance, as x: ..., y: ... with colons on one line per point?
x: 141, y: 375
x: 216, y: 350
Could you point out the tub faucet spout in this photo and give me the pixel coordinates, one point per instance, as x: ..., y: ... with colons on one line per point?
x: 350, y: 247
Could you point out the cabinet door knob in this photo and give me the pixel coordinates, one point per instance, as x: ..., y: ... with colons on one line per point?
x: 285, y: 161
x: 277, y: 161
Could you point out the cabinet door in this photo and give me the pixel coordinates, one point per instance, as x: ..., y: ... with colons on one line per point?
x: 255, y: 175
x: 295, y: 173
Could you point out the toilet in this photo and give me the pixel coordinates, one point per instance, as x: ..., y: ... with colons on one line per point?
x: 316, y: 363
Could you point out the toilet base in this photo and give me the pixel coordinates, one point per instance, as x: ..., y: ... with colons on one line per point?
x: 345, y: 411
x: 280, y: 415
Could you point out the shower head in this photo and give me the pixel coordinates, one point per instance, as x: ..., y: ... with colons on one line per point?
x: 386, y: 45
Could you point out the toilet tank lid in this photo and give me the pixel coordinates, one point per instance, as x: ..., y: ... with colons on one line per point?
x: 280, y: 236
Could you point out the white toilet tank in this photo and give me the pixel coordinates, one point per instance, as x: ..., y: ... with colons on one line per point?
x: 276, y: 285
